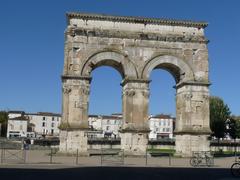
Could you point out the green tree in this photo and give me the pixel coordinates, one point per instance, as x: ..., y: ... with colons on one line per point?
x: 3, y: 122
x: 219, y: 113
x: 238, y: 127
x: 233, y: 127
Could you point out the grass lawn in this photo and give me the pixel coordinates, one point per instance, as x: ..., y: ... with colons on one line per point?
x: 167, y: 151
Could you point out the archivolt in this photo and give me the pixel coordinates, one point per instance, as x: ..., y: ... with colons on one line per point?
x: 180, y: 70
x: 117, y: 60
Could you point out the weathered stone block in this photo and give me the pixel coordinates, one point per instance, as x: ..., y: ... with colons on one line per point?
x: 73, y: 141
x: 134, y: 144
x: 187, y: 144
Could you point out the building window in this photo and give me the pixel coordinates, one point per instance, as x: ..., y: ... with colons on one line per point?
x: 52, y: 118
x: 43, y: 124
x: 52, y: 124
x: 164, y: 123
x: 43, y: 118
x: 52, y: 131
x: 107, y: 128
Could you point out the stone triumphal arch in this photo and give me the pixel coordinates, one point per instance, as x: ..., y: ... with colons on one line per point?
x: 134, y: 47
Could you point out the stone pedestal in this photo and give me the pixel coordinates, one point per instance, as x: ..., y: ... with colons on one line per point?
x: 186, y: 144
x: 73, y: 141
x: 134, y: 143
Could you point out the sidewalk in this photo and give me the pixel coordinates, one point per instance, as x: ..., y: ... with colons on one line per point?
x: 42, y: 159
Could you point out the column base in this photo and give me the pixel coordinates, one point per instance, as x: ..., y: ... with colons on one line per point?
x: 134, y: 143
x: 73, y: 141
x: 186, y: 144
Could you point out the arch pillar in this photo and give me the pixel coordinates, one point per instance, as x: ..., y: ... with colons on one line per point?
x: 74, y: 114
x: 135, y: 128
x: 192, y: 118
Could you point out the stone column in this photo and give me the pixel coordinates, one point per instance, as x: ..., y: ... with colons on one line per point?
x: 74, y: 114
x: 192, y: 121
x: 135, y: 128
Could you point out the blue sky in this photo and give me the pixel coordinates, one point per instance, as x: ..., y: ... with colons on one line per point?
x: 32, y: 42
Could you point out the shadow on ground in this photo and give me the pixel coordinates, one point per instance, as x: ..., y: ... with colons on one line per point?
x: 115, y: 173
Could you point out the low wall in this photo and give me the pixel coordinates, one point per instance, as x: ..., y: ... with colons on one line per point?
x: 106, y: 143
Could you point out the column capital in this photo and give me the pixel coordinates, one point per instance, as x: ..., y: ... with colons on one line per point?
x: 87, y: 78
x: 126, y: 80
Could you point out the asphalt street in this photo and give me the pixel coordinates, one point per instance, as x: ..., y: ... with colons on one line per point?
x: 115, y: 173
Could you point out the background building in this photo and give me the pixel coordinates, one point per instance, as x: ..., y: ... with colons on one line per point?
x: 45, y: 123
x: 17, y: 127
x: 40, y: 124
x: 13, y: 114
x: 105, y: 126
x: 161, y: 126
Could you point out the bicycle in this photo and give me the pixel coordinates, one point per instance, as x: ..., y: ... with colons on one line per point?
x: 201, y: 158
x: 235, y: 168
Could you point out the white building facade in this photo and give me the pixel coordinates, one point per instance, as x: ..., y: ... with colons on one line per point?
x: 161, y: 127
x: 100, y: 126
x: 21, y: 124
x: 17, y: 127
x: 45, y: 124
x: 104, y: 126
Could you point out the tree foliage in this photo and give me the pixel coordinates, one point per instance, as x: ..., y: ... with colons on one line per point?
x: 233, y: 127
x: 219, y: 113
x: 3, y: 123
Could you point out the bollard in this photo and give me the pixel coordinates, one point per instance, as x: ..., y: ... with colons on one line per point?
x: 77, y: 158
x: 146, y: 159
x: 101, y: 157
x: 2, y: 155
x: 24, y: 156
x: 235, y: 151
x: 169, y: 161
x: 51, y: 156
x: 123, y: 157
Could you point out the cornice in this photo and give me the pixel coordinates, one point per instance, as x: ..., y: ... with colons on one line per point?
x: 194, y: 83
x: 76, y: 77
x: 125, y: 81
x: 136, y: 20
x: 74, y: 31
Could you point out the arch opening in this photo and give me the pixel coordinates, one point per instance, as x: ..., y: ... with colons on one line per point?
x: 105, y: 91
x: 175, y: 71
x: 162, y: 106
x: 104, y: 112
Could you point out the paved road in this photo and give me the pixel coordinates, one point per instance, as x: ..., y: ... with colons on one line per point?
x: 115, y: 173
